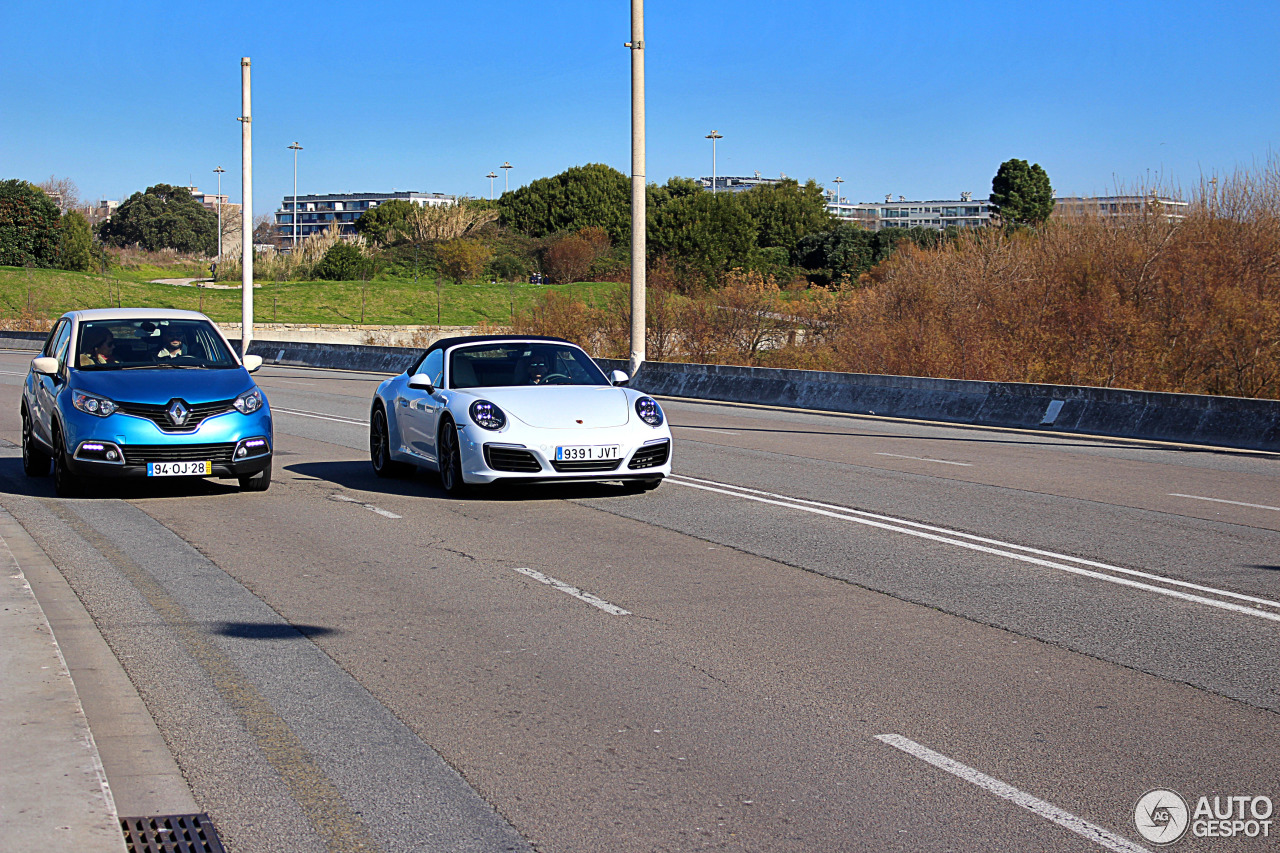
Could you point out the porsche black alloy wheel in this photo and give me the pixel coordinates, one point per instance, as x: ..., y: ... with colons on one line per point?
x: 380, y: 447
x: 451, y: 461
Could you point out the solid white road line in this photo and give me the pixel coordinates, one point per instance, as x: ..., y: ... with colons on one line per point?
x: 922, y: 459
x: 1049, y: 811
x: 335, y: 418
x: 677, y: 426
x: 1221, y: 501
x: 575, y: 592
x: 979, y: 543
x: 382, y: 512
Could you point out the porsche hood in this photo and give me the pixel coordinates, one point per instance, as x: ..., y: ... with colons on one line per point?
x: 562, y: 406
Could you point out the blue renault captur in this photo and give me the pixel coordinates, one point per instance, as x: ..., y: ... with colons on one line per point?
x: 138, y: 392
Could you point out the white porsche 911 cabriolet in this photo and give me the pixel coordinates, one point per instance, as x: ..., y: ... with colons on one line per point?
x: 492, y: 408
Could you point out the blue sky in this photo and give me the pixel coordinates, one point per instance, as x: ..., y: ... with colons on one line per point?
x: 918, y: 99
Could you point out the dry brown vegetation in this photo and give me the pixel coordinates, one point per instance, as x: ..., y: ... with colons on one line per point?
x: 1141, y: 302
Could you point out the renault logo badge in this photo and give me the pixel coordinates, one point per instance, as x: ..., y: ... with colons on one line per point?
x: 178, y: 413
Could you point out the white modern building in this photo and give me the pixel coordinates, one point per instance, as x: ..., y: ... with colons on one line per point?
x: 1120, y: 206
x: 316, y: 213
x: 728, y: 183
x: 938, y: 214
x: 966, y: 212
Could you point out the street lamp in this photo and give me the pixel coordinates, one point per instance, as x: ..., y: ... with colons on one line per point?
x: 713, y: 136
x: 219, y: 172
x: 295, y: 147
x: 506, y: 177
x: 491, y: 176
x: 838, y: 181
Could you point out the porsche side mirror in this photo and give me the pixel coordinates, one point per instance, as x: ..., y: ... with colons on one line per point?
x: 45, y: 365
x: 619, y: 377
x: 422, y: 382
x: 252, y: 362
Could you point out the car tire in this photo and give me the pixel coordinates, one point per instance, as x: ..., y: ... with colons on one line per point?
x: 259, y: 482
x: 35, y: 462
x: 66, y: 484
x: 380, y: 447
x: 642, y: 485
x: 449, y: 457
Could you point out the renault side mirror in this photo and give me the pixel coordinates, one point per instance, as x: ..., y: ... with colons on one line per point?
x: 45, y: 365
x: 252, y: 362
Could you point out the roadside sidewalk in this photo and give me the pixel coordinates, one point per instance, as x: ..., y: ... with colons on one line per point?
x: 53, y: 790
x: 59, y: 679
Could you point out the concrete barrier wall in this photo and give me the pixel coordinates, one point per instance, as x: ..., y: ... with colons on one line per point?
x: 1186, y: 418
x: 1189, y: 418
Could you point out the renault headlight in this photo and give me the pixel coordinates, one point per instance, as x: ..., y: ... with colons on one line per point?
x: 92, y: 404
x: 249, y: 402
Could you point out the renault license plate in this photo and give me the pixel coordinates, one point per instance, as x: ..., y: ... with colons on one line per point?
x: 586, y: 452
x: 179, y: 469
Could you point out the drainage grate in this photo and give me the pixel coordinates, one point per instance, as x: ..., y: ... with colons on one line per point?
x: 178, y: 833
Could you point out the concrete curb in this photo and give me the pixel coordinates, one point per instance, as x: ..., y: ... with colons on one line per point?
x: 53, y: 792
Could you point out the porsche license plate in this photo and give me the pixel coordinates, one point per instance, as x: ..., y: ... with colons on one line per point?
x: 179, y: 469
x: 586, y: 452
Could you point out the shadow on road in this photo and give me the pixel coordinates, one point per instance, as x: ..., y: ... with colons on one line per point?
x: 271, y: 631
x: 358, y: 475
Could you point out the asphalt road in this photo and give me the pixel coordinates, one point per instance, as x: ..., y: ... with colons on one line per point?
x: 825, y: 633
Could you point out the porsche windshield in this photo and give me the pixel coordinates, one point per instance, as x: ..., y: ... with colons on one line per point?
x: 125, y: 344
x: 512, y: 364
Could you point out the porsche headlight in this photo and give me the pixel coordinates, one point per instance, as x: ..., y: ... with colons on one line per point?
x: 487, y: 415
x: 649, y: 411
x: 249, y: 402
x: 93, y: 405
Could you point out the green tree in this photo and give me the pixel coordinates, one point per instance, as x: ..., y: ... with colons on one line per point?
x: 705, y: 232
x: 386, y: 223
x: 343, y: 262
x: 76, y: 251
x: 1021, y: 194
x: 463, y: 258
x: 674, y: 188
x: 29, y: 223
x: 163, y: 217
x: 581, y: 197
x: 785, y: 212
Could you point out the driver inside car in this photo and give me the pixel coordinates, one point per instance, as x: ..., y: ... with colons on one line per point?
x: 174, y: 344
x: 537, y: 370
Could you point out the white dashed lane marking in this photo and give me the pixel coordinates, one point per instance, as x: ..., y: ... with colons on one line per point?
x: 382, y: 512
x: 1080, y: 826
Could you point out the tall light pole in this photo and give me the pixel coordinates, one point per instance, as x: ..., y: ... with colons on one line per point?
x: 638, y: 221
x: 506, y: 177
x: 296, y: 148
x: 713, y: 136
x: 491, y: 176
x: 246, y: 210
x: 219, y: 172
x: 838, y: 181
